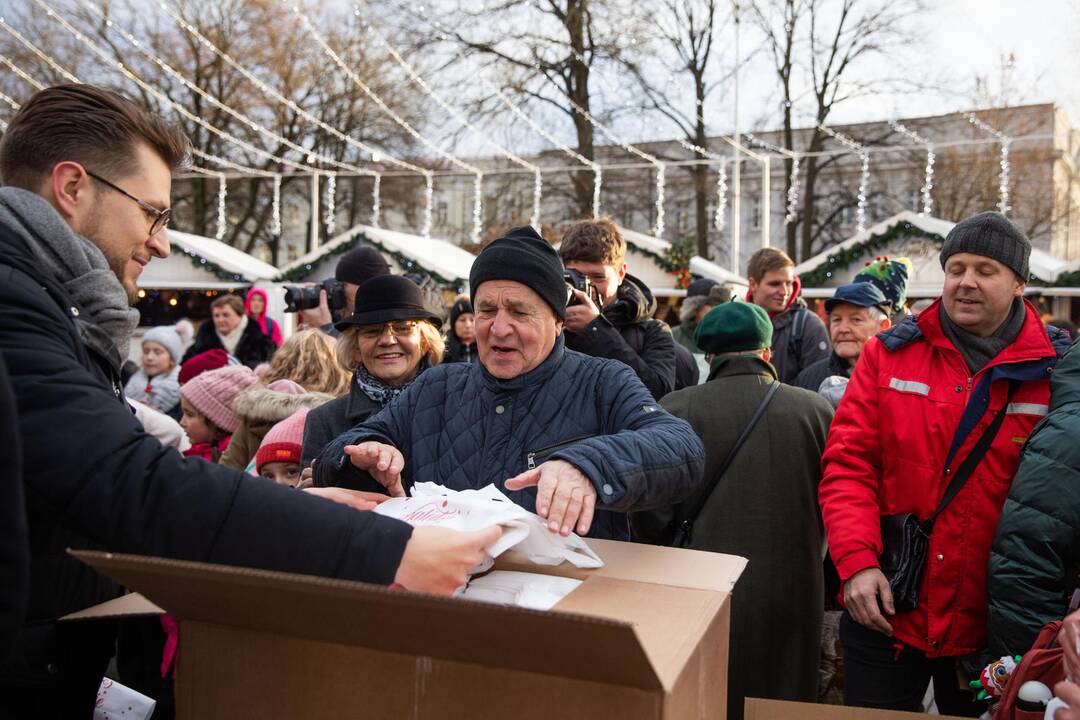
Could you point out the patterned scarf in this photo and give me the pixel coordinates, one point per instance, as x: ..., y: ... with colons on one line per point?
x: 380, y: 391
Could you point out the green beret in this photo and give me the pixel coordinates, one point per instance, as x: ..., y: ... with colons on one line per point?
x: 734, y: 327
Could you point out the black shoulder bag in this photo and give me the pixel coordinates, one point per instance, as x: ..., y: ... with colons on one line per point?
x: 906, y: 539
x: 684, y: 530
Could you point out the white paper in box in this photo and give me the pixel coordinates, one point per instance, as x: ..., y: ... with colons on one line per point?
x: 468, y: 510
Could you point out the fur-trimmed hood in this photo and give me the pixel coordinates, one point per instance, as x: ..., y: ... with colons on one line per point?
x: 260, y: 404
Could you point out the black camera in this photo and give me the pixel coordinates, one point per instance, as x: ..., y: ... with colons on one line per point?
x: 298, y: 297
x: 576, y: 280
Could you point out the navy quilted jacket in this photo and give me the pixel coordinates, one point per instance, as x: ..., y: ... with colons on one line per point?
x: 460, y: 427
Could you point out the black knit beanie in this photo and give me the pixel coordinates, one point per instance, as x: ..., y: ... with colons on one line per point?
x: 360, y: 265
x: 991, y: 235
x: 461, y: 307
x: 523, y: 256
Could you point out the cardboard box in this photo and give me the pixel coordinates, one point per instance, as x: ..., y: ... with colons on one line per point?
x: 646, y: 636
x: 758, y: 709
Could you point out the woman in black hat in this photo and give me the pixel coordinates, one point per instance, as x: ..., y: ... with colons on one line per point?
x: 387, y: 343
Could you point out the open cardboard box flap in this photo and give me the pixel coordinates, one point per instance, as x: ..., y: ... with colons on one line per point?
x: 634, y: 622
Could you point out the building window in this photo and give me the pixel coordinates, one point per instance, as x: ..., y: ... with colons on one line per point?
x: 441, y: 213
x: 846, y: 218
x: 755, y: 213
x: 914, y: 200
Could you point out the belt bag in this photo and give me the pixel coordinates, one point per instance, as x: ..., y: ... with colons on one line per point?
x: 906, y: 539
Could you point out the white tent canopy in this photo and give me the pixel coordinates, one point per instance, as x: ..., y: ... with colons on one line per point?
x: 643, y: 253
x: 443, y: 260
x: 928, y: 277
x: 202, y: 263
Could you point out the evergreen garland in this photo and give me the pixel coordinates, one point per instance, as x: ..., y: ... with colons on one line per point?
x: 221, y: 273
x: 676, y: 260
x: 407, y: 263
x: 843, y: 259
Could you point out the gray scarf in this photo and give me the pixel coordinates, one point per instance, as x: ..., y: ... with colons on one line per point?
x: 380, y: 391
x: 978, y: 351
x: 75, y: 261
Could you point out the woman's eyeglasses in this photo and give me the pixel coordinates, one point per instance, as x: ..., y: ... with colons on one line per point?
x: 397, y: 328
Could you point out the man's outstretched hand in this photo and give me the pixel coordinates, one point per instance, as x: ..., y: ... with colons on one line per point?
x: 383, y: 462
x: 563, y: 495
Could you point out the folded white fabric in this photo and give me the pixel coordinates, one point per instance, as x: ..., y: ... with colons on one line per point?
x: 529, y: 590
x: 467, y: 510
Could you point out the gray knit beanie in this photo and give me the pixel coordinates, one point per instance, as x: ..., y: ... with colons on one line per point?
x: 991, y: 235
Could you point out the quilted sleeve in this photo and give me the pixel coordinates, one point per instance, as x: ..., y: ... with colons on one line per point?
x: 1034, y: 556
x: 647, y: 457
x: 391, y: 425
x: 851, y: 468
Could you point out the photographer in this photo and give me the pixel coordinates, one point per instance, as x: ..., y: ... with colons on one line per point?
x: 616, y: 320
x: 336, y: 298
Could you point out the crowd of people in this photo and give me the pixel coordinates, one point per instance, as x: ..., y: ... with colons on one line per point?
x: 900, y: 481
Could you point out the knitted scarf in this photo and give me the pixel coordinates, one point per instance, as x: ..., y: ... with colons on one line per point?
x: 978, y: 351
x: 231, y: 339
x: 75, y: 261
x: 380, y: 391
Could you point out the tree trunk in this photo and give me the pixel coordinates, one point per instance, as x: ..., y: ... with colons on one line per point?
x: 701, y: 172
x: 578, y: 90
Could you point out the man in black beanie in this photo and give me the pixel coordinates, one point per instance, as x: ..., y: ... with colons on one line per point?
x: 580, y: 438
x: 944, y: 400
x: 355, y: 267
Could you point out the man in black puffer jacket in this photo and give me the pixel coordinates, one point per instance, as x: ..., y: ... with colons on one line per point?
x: 618, y: 322
x: 87, y: 178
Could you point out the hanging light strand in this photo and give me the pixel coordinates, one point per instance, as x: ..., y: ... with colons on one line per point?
x: 1004, y: 172
x: 864, y: 178
x: 478, y: 208
x: 221, y: 219
x: 161, y: 97
x: 460, y: 117
x: 538, y: 189
x: 331, y: 198
x: 68, y: 75
x: 376, y: 201
x: 720, y: 220
x: 928, y: 173
x: 275, y: 209
x: 793, y: 192
x: 429, y: 198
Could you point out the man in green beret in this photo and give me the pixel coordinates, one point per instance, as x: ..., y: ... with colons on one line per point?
x: 764, y: 508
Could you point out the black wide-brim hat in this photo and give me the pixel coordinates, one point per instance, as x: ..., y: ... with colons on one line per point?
x: 387, y: 298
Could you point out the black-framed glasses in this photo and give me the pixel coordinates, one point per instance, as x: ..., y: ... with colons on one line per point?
x: 161, y: 217
x: 397, y: 328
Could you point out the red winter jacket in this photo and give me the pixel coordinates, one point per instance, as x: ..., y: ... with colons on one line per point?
x: 886, y: 454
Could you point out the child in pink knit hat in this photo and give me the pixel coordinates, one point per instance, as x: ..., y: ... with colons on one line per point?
x: 278, y: 458
x: 208, y: 416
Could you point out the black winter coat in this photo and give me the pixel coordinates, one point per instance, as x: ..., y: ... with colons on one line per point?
x: 254, y: 346
x: 14, y: 543
x: 326, y: 422
x: 457, y: 351
x: 812, y: 377
x: 100, y: 482
x: 626, y: 331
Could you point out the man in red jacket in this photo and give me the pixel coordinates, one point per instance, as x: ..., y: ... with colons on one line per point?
x: 921, y: 396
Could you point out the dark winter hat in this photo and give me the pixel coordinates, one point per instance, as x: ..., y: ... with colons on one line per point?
x: 991, y: 235
x: 701, y: 286
x: 734, y: 327
x: 523, y: 256
x: 360, y: 265
x: 461, y: 307
x: 386, y: 298
x: 890, y: 275
x: 862, y: 294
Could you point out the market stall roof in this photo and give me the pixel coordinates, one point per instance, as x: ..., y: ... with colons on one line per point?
x: 445, y: 262
x: 203, y: 263
x: 905, y: 234
x: 659, y: 280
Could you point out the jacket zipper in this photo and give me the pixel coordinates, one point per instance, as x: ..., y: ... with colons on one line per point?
x: 530, y: 458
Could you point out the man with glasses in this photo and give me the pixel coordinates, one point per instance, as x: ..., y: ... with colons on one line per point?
x: 87, y: 180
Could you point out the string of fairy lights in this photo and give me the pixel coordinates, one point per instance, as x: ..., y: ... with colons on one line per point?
x: 864, y: 176
x: 330, y: 168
